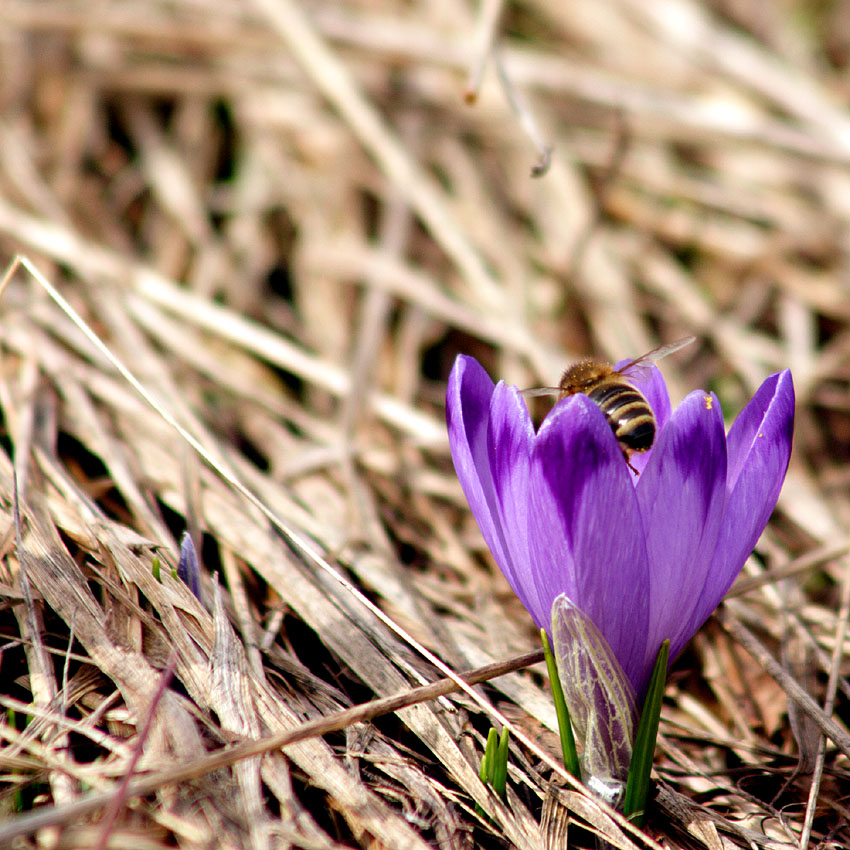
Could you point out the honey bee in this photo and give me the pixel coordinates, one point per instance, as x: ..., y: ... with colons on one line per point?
x: 625, y: 407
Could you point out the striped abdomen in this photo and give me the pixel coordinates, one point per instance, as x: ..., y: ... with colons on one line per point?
x: 628, y: 413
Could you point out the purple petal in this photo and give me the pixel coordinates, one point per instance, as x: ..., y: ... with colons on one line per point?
x: 494, y: 505
x: 587, y: 537
x: 510, y: 436
x: 467, y: 414
x: 759, y: 447
x: 655, y: 390
x: 681, y: 495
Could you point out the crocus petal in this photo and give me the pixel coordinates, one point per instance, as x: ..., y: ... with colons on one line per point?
x: 681, y: 495
x: 587, y: 537
x: 510, y: 436
x: 467, y: 413
x: 479, y: 447
x: 759, y: 447
x: 655, y: 390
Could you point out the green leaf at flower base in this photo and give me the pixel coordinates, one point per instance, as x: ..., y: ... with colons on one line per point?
x: 565, y: 728
x: 637, y: 787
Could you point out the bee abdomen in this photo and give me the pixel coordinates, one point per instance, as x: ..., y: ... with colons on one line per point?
x: 637, y: 434
x: 628, y: 413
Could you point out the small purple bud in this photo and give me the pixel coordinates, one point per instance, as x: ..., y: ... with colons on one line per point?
x: 188, y: 570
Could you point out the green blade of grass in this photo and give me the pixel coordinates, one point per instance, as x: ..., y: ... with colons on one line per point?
x: 488, y: 766
x: 637, y: 787
x: 568, y: 743
x: 500, y: 773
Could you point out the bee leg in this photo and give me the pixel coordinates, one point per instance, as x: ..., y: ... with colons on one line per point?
x: 627, y: 456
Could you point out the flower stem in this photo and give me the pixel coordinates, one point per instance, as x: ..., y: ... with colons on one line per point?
x: 568, y: 743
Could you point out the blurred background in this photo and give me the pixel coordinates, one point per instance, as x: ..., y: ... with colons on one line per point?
x: 287, y: 219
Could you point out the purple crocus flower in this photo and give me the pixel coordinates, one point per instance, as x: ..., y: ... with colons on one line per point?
x: 645, y: 557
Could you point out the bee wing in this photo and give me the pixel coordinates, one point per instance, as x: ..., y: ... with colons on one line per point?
x: 538, y: 392
x: 640, y: 368
x: 635, y: 371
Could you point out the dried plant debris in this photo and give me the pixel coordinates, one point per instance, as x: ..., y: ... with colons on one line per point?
x: 257, y: 235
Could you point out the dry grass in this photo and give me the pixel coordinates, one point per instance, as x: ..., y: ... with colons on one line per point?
x: 286, y: 221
